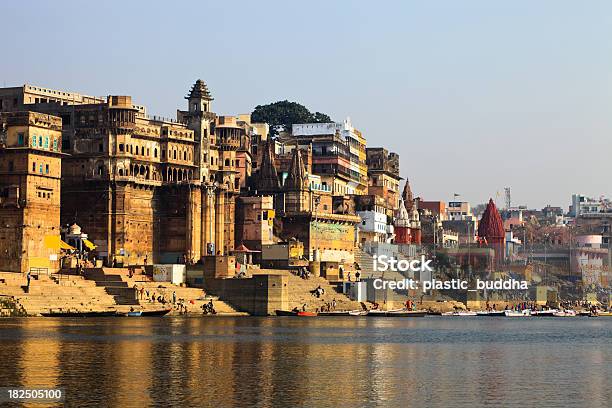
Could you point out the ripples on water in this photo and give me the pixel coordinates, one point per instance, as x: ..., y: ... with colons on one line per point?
x: 312, y: 362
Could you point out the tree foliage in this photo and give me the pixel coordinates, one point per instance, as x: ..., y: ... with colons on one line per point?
x: 282, y: 114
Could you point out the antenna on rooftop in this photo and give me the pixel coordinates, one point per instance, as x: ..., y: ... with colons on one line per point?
x: 508, y: 198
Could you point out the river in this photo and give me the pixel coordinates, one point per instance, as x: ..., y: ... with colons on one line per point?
x: 312, y: 362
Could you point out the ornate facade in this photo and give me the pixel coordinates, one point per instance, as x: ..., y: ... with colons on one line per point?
x: 144, y: 188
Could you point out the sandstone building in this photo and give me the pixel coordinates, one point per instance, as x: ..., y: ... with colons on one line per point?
x: 144, y: 188
x: 30, y: 173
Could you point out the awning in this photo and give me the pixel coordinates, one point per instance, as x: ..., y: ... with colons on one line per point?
x: 90, y: 245
x: 55, y: 242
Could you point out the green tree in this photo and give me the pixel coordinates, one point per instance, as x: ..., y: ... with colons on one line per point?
x: 282, y: 114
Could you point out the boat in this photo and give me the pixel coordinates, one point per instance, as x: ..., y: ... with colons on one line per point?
x: 294, y: 313
x: 565, y: 313
x: 517, y: 313
x: 358, y: 312
x: 79, y: 314
x: 335, y: 313
x: 546, y: 313
x: 604, y: 314
x: 491, y: 313
x: 407, y: 313
x: 462, y: 314
x: 377, y: 313
x: 144, y: 313
x: 433, y: 313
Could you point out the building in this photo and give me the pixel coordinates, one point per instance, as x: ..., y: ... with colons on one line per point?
x: 383, y: 175
x: 338, y: 154
x: 255, y: 221
x: 144, y: 187
x: 30, y: 174
x: 376, y: 219
x: 437, y: 208
x: 582, y: 205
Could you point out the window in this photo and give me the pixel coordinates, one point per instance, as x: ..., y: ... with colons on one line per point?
x: 155, y: 152
x: 40, y: 169
x: 34, y: 167
x: 100, y: 147
x: 11, y: 166
x: 46, y: 169
x: 227, y: 162
x: 184, y: 155
x: 237, y: 163
x: 55, y: 144
x: 121, y: 147
x: 46, y: 142
x: 20, y: 139
x: 40, y: 141
x: 175, y: 155
x: 34, y: 138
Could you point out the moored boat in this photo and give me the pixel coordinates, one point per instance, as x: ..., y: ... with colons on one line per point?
x: 546, y: 313
x: 517, y: 313
x: 294, y: 313
x: 358, y: 312
x: 491, y: 313
x: 376, y: 313
x: 462, y: 313
x: 334, y: 313
x: 406, y: 313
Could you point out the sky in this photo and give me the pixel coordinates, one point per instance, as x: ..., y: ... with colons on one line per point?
x: 474, y: 95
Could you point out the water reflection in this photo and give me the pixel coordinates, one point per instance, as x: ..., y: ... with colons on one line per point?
x: 328, y: 362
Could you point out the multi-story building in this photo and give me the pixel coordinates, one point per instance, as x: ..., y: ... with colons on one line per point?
x: 383, y: 175
x: 30, y: 173
x: 582, y: 205
x: 338, y: 154
x: 144, y: 187
x: 376, y: 217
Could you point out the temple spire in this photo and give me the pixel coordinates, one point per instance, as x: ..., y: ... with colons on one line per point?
x: 491, y: 225
x: 407, y: 196
x: 268, y: 176
x: 297, y: 178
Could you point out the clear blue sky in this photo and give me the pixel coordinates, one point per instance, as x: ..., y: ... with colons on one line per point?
x: 473, y: 95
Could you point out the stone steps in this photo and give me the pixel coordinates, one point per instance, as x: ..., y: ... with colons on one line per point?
x: 299, y: 294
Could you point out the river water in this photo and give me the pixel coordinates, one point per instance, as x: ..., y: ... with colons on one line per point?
x: 313, y: 362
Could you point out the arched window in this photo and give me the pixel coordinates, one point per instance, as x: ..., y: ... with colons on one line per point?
x: 120, y: 172
x: 174, y: 154
x: 184, y: 155
x: 227, y: 162
x: 155, y: 153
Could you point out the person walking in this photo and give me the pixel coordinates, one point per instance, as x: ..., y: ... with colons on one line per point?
x: 173, y: 298
x: 29, y: 277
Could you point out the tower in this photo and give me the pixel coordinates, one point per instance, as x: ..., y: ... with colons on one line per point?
x: 297, y: 194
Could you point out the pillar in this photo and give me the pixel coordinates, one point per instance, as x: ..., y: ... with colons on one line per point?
x: 220, y: 222
x: 193, y: 226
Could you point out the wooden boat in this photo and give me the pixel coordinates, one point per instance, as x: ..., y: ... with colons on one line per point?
x: 376, y: 313
x: 294, y: 313
x: 433, y: 313
x: 565, y: 313
x: 462, y: 314
x: 358, y: 312
x: 493, y: 313
x: 334, y: 313
x: 517, y: 313
x: 604, y: 314
x: 145, y: 313
x: 406, y: 313
x: 546, y: 313
x: 79, y: 314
